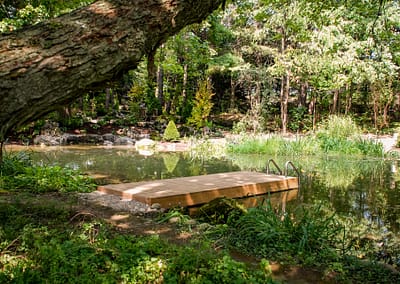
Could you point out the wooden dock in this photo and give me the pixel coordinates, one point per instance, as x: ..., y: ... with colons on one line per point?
x: 197, y: 190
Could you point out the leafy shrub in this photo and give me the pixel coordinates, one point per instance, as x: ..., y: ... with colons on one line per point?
x: 171, y: 132
x: 300, y: 120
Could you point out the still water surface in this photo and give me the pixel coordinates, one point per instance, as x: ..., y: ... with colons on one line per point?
x: 366, y: 189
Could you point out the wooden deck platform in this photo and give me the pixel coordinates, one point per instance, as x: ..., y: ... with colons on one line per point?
x: 197, y: 190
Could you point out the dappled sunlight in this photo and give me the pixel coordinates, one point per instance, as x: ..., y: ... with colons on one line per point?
x: 103, y: 8
x: 189, y: 191
x: 119, y: 217
x: 144, y: 187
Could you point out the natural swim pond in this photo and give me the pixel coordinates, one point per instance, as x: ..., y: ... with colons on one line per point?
x: 365, y: 189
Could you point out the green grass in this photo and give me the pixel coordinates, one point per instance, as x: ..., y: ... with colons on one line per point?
x: 255, y: 145
x: 336, y: 136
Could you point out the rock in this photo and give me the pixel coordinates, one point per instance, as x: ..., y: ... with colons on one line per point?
x: 109, y: 137
x: 174, y: 220
x: 47, y: 140
x: 156, y: 206
x: 75, y: 139
x: 145, y: 143
x: 108, y: 143
x: 82, y: 139
x: 123, y: 140
x: 93, y: 139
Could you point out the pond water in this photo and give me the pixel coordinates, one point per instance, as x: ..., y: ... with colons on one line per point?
x: 368, y: 189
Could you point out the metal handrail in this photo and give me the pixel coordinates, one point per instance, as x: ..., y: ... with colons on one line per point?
x: 276, y: 166
x: 289, y: 163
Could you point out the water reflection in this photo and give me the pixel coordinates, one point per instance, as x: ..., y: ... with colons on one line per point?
x: 367, y: 189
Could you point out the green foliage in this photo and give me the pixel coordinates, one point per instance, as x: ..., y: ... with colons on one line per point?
x: 338, y: 136
x: 200, y: 264
x: 171, y: 133
x: 253, y: 144
x: 27, y: 16
x: 203, y: 105
x: 311, y: 236
x: 44, y: 244
x: 17, y: 14
x: 17, y: 172
x: 300, y: 120
x: 342, y: 135
x: 339, y: 127
x: 308, y: 237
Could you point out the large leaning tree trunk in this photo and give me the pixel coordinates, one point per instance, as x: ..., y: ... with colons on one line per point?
x: 52, y: 63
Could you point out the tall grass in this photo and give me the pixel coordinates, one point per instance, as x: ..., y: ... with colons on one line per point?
x: 264, y: 233
x: 340, y: 127
x: 255, y: 145
x: 336, y: 136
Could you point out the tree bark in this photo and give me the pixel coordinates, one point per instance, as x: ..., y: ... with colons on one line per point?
x: 160, y: 86
x: 53, y: 63
x: 285, y: 88
x: 302, y: 97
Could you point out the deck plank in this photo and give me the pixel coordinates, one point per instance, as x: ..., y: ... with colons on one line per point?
x: 196, y: 190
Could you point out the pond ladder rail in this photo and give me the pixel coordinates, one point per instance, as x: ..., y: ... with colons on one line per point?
x: 285, y: 173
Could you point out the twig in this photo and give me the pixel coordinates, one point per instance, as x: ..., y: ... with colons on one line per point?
x: 81, y: 213
x: 9, y: 246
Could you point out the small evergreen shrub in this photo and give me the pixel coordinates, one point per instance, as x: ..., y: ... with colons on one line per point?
x: 171, y: 132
